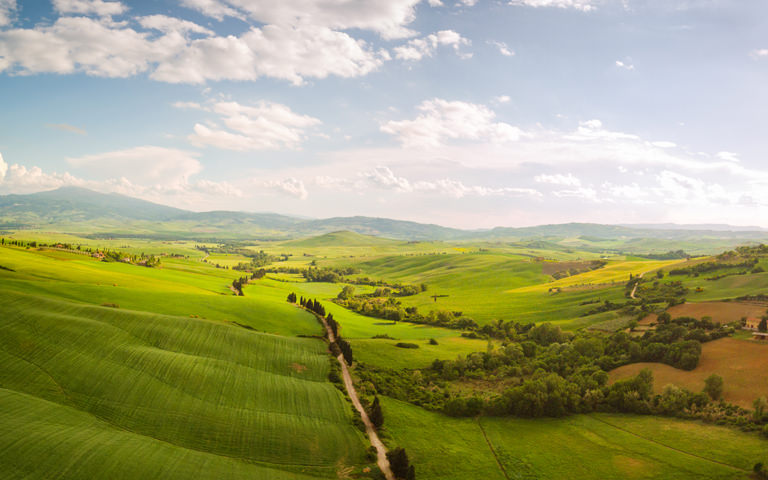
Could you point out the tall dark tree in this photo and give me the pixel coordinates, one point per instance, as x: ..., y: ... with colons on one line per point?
x: 401, y: 466
x: 346, y: 350
x: 376, y: 415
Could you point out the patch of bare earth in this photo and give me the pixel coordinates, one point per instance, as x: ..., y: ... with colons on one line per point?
x: 743, y: 364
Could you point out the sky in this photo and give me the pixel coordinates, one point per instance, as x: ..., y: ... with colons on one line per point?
x: 464, y: 113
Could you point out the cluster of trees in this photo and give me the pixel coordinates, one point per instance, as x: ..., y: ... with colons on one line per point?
x: 340, y: 346
x: 670, y: 255
x: 239, y: 283
x: 707, y: 267
x: 327, y: 274
x: 554, y: 373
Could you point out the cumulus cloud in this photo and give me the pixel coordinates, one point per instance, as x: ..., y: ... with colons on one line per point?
x: 65, y: 127
x: 89, y: 7
x: 624, y: 65
x: 502, y: 47
x: 290, y: 186
x: 728, y: 156
x: 503, y: 99
x: 142, y: 165
x: 7, y: 10
x: 384, y: 178
x: 418, y: 48
x: 171, y: 50
x: 385, y: 17
x: 264, y: 126
x: 442, y: 120
x: 3, y: 168
x: 760, y: 53
x: 582, y: 5
x: 558, y: 179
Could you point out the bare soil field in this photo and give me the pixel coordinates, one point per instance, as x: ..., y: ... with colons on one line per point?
x: 722, y: 312
x: 743, y: 364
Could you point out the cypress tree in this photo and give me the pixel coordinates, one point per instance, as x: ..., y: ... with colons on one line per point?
x: 377, y: 416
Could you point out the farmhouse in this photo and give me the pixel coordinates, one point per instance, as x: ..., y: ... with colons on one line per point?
x: 751, y: 323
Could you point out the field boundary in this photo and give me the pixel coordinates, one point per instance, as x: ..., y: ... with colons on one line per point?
x: 668, y: 446
x: 493, y: 451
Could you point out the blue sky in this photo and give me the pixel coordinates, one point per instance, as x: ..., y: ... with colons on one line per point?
x: 464, y: 113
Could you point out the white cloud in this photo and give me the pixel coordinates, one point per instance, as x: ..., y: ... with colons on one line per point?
x: 664, y: 144
x: 503, y: 99
x: 212, y: 8
x: 386, y: 17
x: 168, y: 24
x: 582, y: 5
x: 728, y: 156
x: 7, y: 10
x: 418, y: 48
x: 65, y: 127
x: 558, y: 179
x: 82, y: 44
x: 286, y: 53
x: 142, y: 165
x: 89, y: 7
x: 3, y: 168
x: 760, y: 53
x: 384, y: 178
x: 187, y: 106
x: 502, y: 47
x: 290, y: 186
x: 265, y: 126
x: 624, y: 65
x: 441, y: 120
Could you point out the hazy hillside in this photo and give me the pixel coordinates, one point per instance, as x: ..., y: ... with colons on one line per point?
x: 72, y: 209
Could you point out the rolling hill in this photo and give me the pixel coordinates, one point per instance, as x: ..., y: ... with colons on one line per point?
x: 73, y: 209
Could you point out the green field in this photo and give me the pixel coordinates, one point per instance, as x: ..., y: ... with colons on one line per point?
x: 91, y: 391
x: 595, y: 446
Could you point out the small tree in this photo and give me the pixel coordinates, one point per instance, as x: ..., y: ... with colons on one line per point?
x: 346, y: 293
x: 759, y: 408
x: 763, y: 325
x: 713, y: 386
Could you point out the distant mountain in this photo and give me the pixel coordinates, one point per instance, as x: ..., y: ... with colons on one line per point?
x: 383, y: 227
x: 712, y: 227
x: 78, y: 210
x: 74, y: 204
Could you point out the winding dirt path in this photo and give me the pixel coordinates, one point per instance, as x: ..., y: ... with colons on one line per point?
x: 381, y: 450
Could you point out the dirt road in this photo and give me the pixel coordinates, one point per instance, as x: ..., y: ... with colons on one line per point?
x: 381, y: 450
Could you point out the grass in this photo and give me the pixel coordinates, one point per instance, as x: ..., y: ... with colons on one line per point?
x: 99, y: 381
x: 181, y: 287
x: 359, y: 329
x: 741, y: 363
x: 593, y: 446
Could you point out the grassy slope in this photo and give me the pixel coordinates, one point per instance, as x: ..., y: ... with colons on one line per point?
x: 359, y: 329
x: 180, y: 287
x: 98, y: 392
x: 597, y: 446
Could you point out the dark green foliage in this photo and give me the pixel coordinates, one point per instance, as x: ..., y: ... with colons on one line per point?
x: 763, y: 325
x: 346, y: 350
x: 292, y: 297
x: 401, y: 466
x: 406, y: 345
x: 375, y: 414
x: 432, y: 341
x: 713, y: 386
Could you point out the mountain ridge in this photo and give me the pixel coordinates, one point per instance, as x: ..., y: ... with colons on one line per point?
x: 67, y: 207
